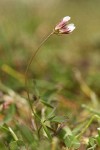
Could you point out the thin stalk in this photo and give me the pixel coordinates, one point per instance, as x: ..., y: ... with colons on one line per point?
x: 85, y: 128
x: 91, y: 109
x: 27, y: 69
x: 13, y: 134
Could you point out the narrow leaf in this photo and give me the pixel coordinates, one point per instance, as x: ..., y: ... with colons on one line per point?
x: 59, y: 119
x: 46, y: 104
x: 46, y: 131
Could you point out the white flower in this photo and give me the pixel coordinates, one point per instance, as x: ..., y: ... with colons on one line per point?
x: 63, y: 27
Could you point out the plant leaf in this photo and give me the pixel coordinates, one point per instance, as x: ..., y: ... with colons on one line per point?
x: 10, y: 113
x: 17, y: 145
x: 47, y: 104
x: 27, y: 134
x: 60, y: 119
x: 71, y: 142
x: 46, y: 131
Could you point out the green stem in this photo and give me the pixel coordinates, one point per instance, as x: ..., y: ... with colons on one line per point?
x: 91, y: 109
x: 87, y: 125
x: 26, y: 72
x: 13, y: 134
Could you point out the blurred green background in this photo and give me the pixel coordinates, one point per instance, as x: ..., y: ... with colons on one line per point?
x: 23, y: 25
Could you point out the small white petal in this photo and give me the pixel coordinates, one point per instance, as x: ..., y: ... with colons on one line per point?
x: 71, y: 27
x: 67, y: 18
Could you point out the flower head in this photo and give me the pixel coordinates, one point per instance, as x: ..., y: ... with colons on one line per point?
x: 63, y: 27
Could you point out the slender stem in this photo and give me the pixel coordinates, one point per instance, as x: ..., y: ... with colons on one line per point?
x: 85, y: 128
x: 27, y: 68
x: 91, y: 109
x: 13, y: 134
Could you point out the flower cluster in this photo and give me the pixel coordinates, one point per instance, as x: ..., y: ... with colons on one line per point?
x: 63, y: 27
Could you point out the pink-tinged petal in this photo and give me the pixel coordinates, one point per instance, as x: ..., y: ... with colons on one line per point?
x: 64, y: 31
x: 71, y: 27
x: 62, y: 23
x: 67, y: 29
x: 66, y: 19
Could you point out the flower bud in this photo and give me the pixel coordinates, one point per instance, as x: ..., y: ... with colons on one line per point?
x: 63, y: 27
